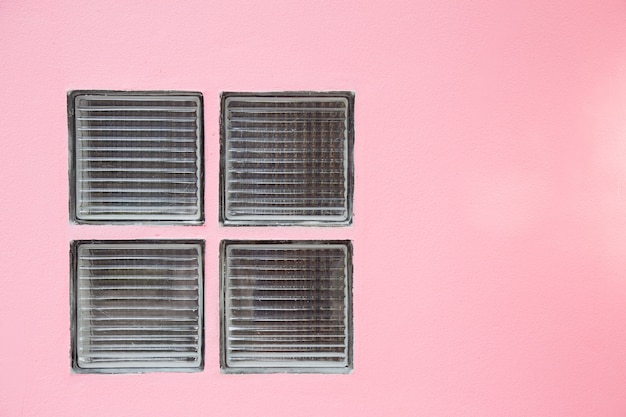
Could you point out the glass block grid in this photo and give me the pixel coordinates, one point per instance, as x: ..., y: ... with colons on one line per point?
x: 286, y: 306
x: 137, y: 306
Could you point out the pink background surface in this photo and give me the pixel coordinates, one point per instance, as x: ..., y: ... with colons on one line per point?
x: 490, y: 202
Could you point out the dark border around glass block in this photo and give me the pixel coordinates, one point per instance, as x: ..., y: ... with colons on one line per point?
x: 349, y: 333
x: 71, y: 99
x: 287, y: 220
x: 74, y: 316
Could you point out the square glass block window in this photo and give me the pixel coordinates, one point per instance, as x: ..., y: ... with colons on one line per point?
x: 286, y: 307
x: 287, y: 158
x: 137, y: 306
x: 136, y: 157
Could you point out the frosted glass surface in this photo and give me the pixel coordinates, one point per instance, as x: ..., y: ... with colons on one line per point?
x: 287, y: 307
x: 137, y: 306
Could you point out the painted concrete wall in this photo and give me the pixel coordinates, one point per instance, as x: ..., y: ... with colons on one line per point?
x: 490, y: 202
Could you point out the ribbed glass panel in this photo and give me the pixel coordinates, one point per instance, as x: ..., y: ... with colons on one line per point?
x: 137, y: 157
x: 137, y: 306
x: 287, y: 159
x: 286, y: 307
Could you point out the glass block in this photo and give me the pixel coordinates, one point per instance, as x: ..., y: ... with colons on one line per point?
x: 287, y: 158
x: 136, y: 157
x: 137, y: 306
x: 286, y: 306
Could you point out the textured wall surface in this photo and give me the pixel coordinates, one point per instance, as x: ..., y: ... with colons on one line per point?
x: 490, y: 200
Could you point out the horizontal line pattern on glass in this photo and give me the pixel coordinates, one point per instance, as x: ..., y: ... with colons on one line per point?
x: 286, y: 159
x: 138, y: 157
x: 138, y: 306
x: 287, y: 307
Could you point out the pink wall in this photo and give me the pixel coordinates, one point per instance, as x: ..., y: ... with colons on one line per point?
x: 490, y: 203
